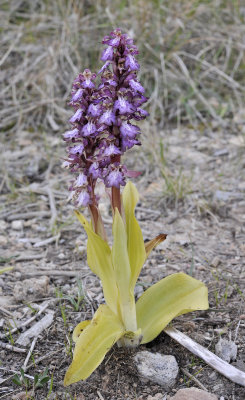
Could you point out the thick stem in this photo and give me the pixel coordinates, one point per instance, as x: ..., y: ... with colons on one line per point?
x: 116, y: 199
x: 97, y: 221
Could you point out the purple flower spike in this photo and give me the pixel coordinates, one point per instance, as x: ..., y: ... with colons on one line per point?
x: 103, y: 121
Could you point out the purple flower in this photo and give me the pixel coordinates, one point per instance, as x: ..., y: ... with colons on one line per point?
x: 115, y: 178
x: 94, y: 170
x: 106, y: 65
x: 128, y: 130
x: 114, y: 40
x: 77, y: 95
x: 107, y: 54
x: 76, y: 117
x: 123, y: 106
x: 66, y: 164
x: 87, y: 79
x: 111, y: 150
x: 83, y: 199
x: 143, y: 112
x: 69, y: 135
x: 94, y: 110
x: 81, y: 180
x: 89, y: 129
x: 129, y: 143
x: 108, y: 117
x: 76, y: 150
x: 136, y: 86
x: 131, y: 63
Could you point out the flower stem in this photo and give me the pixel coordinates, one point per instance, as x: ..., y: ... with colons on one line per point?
x: 116, y: 198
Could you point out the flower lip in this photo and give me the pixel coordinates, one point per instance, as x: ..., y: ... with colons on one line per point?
x: 108, y: 117
x: 123, y: 106
x: 81, y: 180
x: 89, y: 129
x: 83, y: 199
x: 76, y: 150
x: 136, y: 86
x: 107, y: 54
x: 111, y: 150
x: 77, y: 95
x: 69, y: 135
x: 76, y: 117
x: 115, y: 178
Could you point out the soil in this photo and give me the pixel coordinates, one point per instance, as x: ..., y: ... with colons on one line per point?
x: 204, y: 219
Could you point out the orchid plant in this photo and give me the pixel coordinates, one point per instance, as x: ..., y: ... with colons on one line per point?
x: 102, y: 130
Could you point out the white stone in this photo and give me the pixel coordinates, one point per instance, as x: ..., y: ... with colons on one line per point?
x: 33, y: 288
x: 17, y: 225
x: 193, y: 394
x: 226, y: 349
x: 157, y: 368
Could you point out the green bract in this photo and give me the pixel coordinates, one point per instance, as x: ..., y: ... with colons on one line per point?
x: 121, y: 319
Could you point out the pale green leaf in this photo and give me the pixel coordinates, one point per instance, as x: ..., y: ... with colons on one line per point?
x: 79, y: 329
x: 122, y: 270
x: 93, y: 344
x: 172, y: 296
x: 100, y: 262
x: 135, y: 241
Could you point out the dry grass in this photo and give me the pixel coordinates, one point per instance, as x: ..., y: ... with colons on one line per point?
x: 192, y: 55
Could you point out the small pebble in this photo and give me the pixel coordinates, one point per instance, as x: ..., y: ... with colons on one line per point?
x: 17, y: 225
x: 226, y: 350
x: 193, y: 394
x: 3, y: 225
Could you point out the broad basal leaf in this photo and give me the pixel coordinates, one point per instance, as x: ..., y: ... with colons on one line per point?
x: 172, y: 296
x: 93, y: 344
x: 79, y: 329
x: 122, y: 270
x: 135, y: 241
x: 100, y: 262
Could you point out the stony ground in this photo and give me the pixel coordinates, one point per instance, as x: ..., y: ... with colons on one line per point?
x: 204, y: 218
x: 192, y: 187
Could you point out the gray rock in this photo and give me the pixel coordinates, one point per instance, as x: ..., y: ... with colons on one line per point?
x: 30, y: 289
x: 221, y: 195
x: 221, y: 152
x: 17, y: 225
x: 226, y: 349
x: 193, y: 394
x: 157, y: 368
